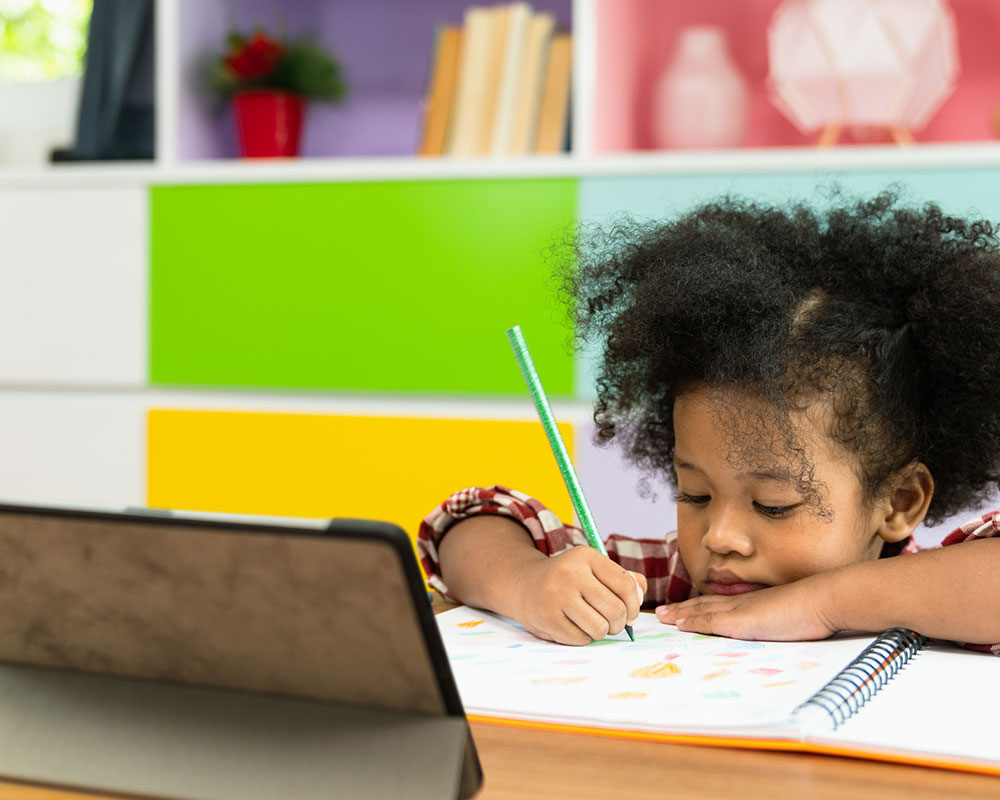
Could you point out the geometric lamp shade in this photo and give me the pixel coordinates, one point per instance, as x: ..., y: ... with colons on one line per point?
x: 885, y: 63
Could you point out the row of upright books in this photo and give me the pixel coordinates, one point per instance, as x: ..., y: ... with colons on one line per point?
x: 499, y: 85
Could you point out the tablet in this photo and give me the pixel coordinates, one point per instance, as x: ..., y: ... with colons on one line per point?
x: 320, y: 626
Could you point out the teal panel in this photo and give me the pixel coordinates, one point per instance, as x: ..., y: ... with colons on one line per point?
x: 959, y: 191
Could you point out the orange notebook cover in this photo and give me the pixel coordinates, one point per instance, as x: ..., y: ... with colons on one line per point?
x: 895, y: 697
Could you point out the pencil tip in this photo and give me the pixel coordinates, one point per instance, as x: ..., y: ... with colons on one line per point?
x: 628, y: 630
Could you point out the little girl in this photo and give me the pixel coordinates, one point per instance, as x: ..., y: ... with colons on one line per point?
x: 814, y: 385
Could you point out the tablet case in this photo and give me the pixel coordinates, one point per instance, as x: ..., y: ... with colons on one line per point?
x: 208, y: 656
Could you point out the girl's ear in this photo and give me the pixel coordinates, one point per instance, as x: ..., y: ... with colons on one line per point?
x: 909, y: 503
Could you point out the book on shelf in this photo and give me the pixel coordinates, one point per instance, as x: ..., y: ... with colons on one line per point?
x: 894, y: 697
x: 470, y: 84
x: 478, y: 78
x: 532, y: 79
x: 494, y: 80
x: 553, y: 115
x: 441, y: 89
x: 519, y: 21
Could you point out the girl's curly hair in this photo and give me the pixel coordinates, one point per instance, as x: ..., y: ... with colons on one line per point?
x: 889, y: 313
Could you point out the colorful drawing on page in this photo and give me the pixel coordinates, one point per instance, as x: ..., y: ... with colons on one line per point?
x: 659, y: 670
x: 682, y: 674
x: 558, y: 681
x: 472, y: 623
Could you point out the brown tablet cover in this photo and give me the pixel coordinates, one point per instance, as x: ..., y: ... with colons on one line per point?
x: 309, y: 618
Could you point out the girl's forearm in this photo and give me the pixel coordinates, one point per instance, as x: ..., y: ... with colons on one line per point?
x: 482, y: 558
x: 951, y: 593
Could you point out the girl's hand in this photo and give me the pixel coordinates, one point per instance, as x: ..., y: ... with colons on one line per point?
x: 577, y: 597
x: 792, y: 612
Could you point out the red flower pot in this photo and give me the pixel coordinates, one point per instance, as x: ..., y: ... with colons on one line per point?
x: 269, y: 123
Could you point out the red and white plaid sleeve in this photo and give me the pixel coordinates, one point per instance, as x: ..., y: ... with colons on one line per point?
x: 658, y: 559
x: 986, y: 526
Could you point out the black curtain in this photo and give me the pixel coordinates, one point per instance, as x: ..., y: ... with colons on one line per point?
x: 117, y: 103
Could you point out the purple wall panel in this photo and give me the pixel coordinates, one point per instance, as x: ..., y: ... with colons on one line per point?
x: 611, y: 487
x: 384, y: 46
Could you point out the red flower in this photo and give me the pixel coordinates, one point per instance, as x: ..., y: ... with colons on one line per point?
x: 255, y: 58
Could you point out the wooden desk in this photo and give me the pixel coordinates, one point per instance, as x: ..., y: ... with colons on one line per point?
x: 521, y: 764
x: 543, y: 765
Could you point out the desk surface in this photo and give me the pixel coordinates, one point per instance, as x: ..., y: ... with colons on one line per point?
x: 569, y: 766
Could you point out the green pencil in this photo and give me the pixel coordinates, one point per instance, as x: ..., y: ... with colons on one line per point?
x: 544, y: 410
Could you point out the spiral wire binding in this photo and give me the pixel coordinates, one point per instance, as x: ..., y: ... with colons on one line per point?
x: 858, y: 682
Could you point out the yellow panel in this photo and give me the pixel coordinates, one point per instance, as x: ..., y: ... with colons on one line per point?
x: 316, y: 465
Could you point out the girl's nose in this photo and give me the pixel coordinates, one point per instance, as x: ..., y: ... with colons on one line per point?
x: 728, y: 533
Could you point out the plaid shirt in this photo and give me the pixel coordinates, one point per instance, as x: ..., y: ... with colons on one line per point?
x: 658, y: 559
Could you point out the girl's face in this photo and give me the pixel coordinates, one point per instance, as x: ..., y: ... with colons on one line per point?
x: 742, y: 526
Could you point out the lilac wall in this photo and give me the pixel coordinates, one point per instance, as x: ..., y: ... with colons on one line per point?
x: 611, y: 486
x: 383, y: 45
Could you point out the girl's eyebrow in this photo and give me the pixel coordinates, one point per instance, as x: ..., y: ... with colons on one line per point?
x: 776, y: 475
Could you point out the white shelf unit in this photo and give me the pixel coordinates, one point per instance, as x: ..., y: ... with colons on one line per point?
x: 687, y: 162
x: 60, y: 412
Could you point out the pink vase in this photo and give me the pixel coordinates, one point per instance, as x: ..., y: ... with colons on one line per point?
x: 700, y: 100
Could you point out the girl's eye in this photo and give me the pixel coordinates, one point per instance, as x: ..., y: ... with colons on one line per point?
x: 697, y: 499
x: 773, y: 511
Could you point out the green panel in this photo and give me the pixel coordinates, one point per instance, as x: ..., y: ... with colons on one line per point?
x: 399, y: 286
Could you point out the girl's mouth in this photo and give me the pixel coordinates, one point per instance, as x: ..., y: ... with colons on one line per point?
x: 719, y: 587
x: 724, y: 581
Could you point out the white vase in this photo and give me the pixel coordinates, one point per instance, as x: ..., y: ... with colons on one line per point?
x: 700, y: 100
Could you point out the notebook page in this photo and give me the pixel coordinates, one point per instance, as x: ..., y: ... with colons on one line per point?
x: 665, y: 681
x: 945, y: 702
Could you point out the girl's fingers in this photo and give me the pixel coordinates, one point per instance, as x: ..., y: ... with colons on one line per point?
x: 608, y: 605
x: 622, y: 583
x: 691, y: 615
x: 591, y: 622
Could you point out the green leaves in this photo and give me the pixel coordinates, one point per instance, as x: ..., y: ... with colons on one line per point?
x: 303, y: 67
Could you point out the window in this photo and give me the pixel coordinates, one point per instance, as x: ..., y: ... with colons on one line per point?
x: 42, y: 39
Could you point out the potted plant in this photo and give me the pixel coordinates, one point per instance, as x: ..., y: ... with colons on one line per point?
x: 268, y: 81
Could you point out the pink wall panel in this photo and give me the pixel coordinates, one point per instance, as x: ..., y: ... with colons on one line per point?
x: 636, y: 40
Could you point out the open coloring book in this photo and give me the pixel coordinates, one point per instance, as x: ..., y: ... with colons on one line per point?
x: 940, y: 707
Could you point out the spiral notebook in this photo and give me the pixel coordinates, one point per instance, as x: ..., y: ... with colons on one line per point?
x: 895, y: 697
